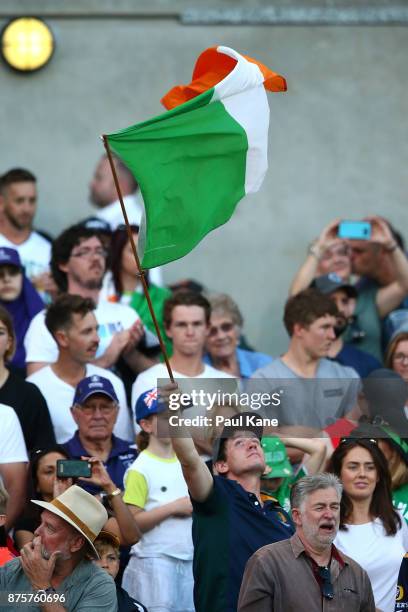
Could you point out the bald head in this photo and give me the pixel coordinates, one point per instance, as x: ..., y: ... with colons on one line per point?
x: 102, y: 187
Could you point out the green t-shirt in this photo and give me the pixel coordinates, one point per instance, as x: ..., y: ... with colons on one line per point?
x: 283, y: 493
x: 400, y: 500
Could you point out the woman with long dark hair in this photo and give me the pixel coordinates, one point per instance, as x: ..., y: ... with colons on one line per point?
x: 43, y: 472
x: 122, y: 284
x: 371, y: 531
x: 24, y: 397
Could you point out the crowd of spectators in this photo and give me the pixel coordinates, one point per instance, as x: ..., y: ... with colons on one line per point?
x: 299, y: 504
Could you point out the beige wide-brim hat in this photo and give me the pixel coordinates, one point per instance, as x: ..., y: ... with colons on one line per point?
x: 81, y: 510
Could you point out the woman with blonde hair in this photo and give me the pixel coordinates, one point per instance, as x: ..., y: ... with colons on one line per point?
x: 223, y: 351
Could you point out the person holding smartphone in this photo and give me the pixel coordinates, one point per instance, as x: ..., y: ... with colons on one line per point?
x: 383, y: 259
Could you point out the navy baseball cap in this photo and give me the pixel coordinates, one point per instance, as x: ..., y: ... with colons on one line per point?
x: 94, y: 384
x: 94, y: 223
x: 147, y: 405
x: 329, y: 283
x: 9, y: 257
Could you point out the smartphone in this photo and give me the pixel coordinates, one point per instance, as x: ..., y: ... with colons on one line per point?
x: 73, y: 468
x: 355, y: 230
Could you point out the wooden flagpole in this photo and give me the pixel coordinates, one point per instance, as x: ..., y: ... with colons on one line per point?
x: 136, y: 256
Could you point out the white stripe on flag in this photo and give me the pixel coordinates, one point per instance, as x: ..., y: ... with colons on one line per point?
x: 244, y: 97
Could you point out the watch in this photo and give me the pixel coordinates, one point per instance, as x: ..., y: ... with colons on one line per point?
x: 114, y: 493
x: 47, y: 591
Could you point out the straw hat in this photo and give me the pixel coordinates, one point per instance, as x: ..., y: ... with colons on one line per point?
x: 81, y: 510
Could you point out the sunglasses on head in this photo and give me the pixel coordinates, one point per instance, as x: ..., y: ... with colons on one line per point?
x: 349, y: 440
x: 326, y: 585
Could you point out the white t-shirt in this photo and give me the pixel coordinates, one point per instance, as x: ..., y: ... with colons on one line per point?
x: 12, y: 445
x: 59, y: 396
x: 35, y: 253
x: 112, y: 213
x: 380, y: 555
x: 148, y: 380
x: 112, y: 318
x: 151, y: 482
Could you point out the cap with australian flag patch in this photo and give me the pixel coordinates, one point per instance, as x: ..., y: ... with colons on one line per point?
x: 147, y: 405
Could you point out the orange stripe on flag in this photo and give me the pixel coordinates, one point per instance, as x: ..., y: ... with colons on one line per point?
x: 211, y: 68
x: 273, y: 81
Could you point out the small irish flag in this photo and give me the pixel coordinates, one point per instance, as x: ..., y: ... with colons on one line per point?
x: 195, y: 162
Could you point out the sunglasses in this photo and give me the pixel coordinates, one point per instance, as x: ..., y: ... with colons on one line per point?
x: 224, y: 327
x: 326, y: 585
x: 357, y: 333
x: 349, y: 440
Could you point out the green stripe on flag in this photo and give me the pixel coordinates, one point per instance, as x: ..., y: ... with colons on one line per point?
x: 190, y: 164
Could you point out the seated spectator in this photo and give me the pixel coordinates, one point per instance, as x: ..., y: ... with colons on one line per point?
x: 95, y: 410
x: 307, y: 572
x: 396, y: 357
x: 344, y: 296
x: 371, y: 531
x: 317, y: 391
x: 395, y: 450
x: 223, y: 340
x: 41, y: 486
x: 24, y: 397
x: 385, y: 393
x: 45, y: 485
x: 73, y: 325
x: 382, y: 402
x: 122, y: 283
x: 107, y: 547
x: 13, y: 464
x: 5, y: 553
x: 78, y: 265
x: 103, y: 194
x: 395, y: 323
x: 58, y: 559
x: 279, y: 477
x: 20, y: 299
x: 186, y: 318
x: 18, y: 205
x: 157, y: 496
x: 381, y: 259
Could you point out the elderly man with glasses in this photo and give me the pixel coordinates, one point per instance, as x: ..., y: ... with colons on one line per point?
x: 307, y: 572
x: 94, y: 410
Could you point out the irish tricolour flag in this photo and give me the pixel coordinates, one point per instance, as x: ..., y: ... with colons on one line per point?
x: 195, y: 162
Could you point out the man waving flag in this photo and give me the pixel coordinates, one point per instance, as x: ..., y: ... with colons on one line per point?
x: 195, y: 162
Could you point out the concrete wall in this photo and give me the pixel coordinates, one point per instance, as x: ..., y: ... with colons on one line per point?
x: 338, y: 138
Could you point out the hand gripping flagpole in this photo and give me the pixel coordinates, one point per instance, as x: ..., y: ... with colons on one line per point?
x: 136, y: 256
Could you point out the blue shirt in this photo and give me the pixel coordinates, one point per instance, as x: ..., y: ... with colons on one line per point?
x: 228, y: 527
x: 121, y: 457
x: 87, y: 587
x: 362, y: 362
x: 248, y: 361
